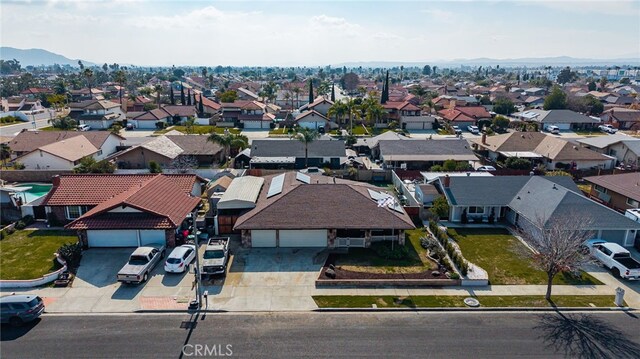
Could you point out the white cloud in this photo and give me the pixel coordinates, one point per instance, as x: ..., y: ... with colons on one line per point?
x: 617, y: 7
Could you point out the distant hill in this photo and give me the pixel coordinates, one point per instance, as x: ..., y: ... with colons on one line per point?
x: 530, y: 61
x: 36, y: 57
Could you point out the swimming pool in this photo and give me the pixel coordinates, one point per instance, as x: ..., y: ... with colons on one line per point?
x: 37, y: 190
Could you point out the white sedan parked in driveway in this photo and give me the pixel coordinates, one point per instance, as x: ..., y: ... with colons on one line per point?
x: 180, y: 258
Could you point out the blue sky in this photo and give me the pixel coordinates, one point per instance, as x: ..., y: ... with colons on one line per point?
x: 320, y: 32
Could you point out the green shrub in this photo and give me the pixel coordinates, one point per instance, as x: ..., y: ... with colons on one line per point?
x: 454, y: 275
x: 20, y: 225
x: 28, y: 219
x: 384, y: 251
x: 452, y: 233
x: 71, y: 253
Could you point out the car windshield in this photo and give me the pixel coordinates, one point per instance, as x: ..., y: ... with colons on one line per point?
x: 138, y: 260
x: 214, y: 254
x: 35, y: 301
x: 173, y: 260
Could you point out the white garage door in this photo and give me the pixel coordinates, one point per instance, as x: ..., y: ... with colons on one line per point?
x: 614, y: 236
x: 143, y: 124
x: 263, y: 238
x: 418, y: 126
x: 304, y: 238
x: 112, y: 238
x: 561, y: 126
x: 252, y: 124
x: 152, y: 237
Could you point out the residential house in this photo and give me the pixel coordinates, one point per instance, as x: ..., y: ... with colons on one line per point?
x: 549, y: 151
x: 245, y: 94
x: 110, y: 210
x: 523, y: 201
x: 24, y: 106
x: 369, y: 145
x: 563, y: 119
x: 168, y: 114
x: 35, y: 92
x: 464, y: 116
x: 534, y: 102
x: 618, y: 191
x: 290, y: 154
x: 61, y: 149
x: 282, y: 216
x: 320, y: 105
x: 166, y: 149
x: 314, y: 120
x: 407, y: 115
x: 535, y: 91
x: 625, y: 149
x: 421, y: 155
x: 248, y: 114
x: 101, y: 114
x: 426, y: 193
x: 85, y: 94
x: 622, y: 118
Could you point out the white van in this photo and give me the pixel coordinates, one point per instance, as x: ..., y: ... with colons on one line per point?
x: 553, y: 129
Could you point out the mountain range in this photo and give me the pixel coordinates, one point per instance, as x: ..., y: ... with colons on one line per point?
x: 36, y: 57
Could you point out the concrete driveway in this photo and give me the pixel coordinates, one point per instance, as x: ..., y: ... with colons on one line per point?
x: 269, y: 279
x: 95, y: 288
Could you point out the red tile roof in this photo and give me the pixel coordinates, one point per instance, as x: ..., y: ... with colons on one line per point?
x: 163, y: 201
x: 93, y: 189
x: 476, y: 112
x: 404, y: 105
x: 451, y: 114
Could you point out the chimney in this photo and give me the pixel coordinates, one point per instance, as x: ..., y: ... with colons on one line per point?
x: 447, y: 181
x: 56, y: 180
x: 484, y: 138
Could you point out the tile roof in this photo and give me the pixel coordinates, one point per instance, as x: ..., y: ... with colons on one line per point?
x: 475, y: 112
x: 93, y: 189
x: 154, y: 115
x: 195, y: 145
x: 401, y: 105
x: 180, y: 110
x: 27, y: 141
x: 319, y: 205
x: 454, y: 115
x: 159, y: 196
x: 626, y: 184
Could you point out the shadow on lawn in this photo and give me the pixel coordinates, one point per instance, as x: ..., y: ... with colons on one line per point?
x: 585, y: 336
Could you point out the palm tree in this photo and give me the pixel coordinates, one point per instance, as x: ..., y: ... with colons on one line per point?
x: 189, y: 123
x: 296, y: 90
x: 338, y: 110
x: 228, y: 141
x: 158, y: 89
x: 88, y: 74
x: 353, y: 111
x: 306, y: 136
x: 374, y: 111
x: 120, y: 77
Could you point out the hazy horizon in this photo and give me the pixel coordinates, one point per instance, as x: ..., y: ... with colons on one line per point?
x: 318, y: 33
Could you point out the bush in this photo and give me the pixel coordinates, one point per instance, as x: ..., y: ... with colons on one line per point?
x: 18, y: 166
x: 20, y: 225
x: 517, y: 163
x: 71, y: 253
x: 154, y: 167
x: 28, y: 219
x: 384, y: 251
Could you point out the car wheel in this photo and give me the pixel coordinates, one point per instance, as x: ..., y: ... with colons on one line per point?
x: 146, y: 276
x: 16, y: 321
x: 616, y: 272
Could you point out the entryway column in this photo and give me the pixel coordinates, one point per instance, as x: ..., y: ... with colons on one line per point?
x: 401, y: 237
x: 246, y: 238
x: 332, y: 234
x: 367, y: 238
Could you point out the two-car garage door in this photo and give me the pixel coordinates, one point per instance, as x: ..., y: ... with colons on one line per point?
x: 124, y: 237
x: 289, y: 238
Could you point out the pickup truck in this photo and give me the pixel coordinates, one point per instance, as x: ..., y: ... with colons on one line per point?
x: 141, y: 263
x: 616, y: 258
x: 608, y: 129
x: 216, y: 256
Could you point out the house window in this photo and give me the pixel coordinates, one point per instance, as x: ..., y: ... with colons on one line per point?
x: 633, y: 203
x: 600, y: 189
x: 74, y: 212
x: 476, y: 210
x: 100, y: 153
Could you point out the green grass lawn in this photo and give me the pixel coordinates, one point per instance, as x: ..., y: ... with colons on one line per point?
x: 279, y: 131
x: 28, y: 254
x: 361, y: 130
x: 499, y: 253
x: 368, y: 260
x: 441, y: 301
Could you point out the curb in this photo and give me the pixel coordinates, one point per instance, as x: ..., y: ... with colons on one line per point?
x: 147, y: 311
x: 480, y: 309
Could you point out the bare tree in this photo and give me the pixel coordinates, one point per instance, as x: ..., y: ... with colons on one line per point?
x: 182, y: 164
x: 557, y: 243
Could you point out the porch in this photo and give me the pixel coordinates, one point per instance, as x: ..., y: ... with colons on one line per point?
x: 362, y: 238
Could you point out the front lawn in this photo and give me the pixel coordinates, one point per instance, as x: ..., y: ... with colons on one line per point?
x: 372, y: 259
x: 198, y: 130
x: 442, y: 301
x: 499, y: 253
x: 279, y: 131
x: 28, y: 254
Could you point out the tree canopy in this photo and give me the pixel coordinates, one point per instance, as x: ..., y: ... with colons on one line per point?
x: 557, y: 99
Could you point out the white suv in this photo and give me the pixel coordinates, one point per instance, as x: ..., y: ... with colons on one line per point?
x: 84, y: 127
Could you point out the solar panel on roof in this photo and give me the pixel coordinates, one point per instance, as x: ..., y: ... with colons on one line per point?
x: 276, y: 185
x: 303, y: 178
x: 376, y: 196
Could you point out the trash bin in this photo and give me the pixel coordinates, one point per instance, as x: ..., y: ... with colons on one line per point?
x: 619, y: 297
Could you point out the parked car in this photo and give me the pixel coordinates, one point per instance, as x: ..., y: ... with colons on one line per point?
x: 473, y: 129
x: 141, y: 263
x: 553, y: 129
x: 486, y: 168
x: 84, y: 127
x: 456, y: 129
x: 608, y: 129
x: 216, y: 256
x: 180, y: 258
x: 614, y: 257
x: 18, y: 309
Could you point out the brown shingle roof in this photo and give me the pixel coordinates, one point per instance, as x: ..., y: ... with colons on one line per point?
x: 27, y: 141
x: 319, y: 205
x: 626, y: 184
x: 193, y: 145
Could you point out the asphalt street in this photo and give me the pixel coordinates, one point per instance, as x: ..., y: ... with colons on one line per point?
x: 314, y: 335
